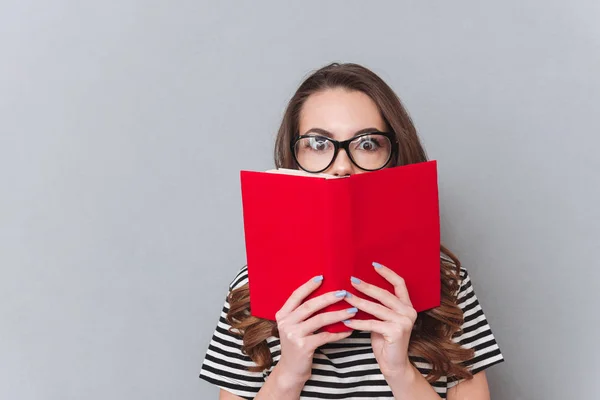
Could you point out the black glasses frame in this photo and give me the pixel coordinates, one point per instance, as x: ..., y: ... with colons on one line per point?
x: 345, y: 144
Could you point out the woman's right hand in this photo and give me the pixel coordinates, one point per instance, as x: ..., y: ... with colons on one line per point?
x: 296, y: 330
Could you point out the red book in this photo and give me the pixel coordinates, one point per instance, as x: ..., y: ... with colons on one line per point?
x: 298, y: 226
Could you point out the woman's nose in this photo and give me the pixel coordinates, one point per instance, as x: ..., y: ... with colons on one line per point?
x: 342, y: 165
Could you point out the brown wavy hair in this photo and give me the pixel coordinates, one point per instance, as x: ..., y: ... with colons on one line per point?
x: 431, y: 339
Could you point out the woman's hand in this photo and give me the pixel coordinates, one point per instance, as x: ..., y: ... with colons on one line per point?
x: 390, y: 336
x: 297, y: 327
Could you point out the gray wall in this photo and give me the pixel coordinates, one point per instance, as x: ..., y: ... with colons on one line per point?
x: 123, y: 125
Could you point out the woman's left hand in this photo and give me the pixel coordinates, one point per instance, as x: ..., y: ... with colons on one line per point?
x: 390, y: 336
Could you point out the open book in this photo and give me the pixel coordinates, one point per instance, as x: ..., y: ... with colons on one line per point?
x: 298, y: 225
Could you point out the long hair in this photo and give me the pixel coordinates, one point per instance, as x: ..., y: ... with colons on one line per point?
x: 431, y: 338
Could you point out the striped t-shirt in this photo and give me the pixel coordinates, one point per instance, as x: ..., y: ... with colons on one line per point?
x: 346, y: 369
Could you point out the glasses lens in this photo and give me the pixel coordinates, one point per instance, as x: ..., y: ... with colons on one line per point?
x: 314, y: 153
x: 371, y: 151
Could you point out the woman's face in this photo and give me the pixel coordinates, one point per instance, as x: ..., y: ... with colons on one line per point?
x: 340, y: 114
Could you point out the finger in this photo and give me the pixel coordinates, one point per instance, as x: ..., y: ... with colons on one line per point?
x: 387, y: 329
x: 376, y: 310
x: 396, y: 280
x: 318, y: 321
x: 383, y: 296
x: 322, y: 338
x: 311, y: 306
x: 369, y: 325
x: 298, y: 296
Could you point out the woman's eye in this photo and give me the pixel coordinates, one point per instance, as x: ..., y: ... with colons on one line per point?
x: 368, y: 144
x: 318, y: 144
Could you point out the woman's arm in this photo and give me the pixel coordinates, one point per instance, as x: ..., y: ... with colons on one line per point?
x: 277, y: 387
x: 472, y: 389
x: 296, y: 324
x: 390, y: 339
x: 225, y: 395
x: 414, y: 386
x: 411, y: 387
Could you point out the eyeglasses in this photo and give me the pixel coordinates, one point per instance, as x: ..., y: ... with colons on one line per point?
x: 368, y: 151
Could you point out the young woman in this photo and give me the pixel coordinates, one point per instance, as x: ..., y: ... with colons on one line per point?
x: 344, y: 120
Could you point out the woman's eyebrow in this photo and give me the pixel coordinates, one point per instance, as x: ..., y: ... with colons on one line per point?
x: 328, y: 134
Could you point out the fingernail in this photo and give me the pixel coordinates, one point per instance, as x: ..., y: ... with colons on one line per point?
x: 352, y: 310
x: 318, y: 278
x: 347, y: 321
x: 348, y: 295
x: 354, y: 280
x: 341, y: 293
x: 377, y: 265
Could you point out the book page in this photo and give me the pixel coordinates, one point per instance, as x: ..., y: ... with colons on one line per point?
x: 299, y: 172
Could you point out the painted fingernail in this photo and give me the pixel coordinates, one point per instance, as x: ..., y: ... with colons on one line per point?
x: 352, y: 310
x: 347, y: 321
x: 348, y: 295
x: 318, y: 278
x: 377, y: 265
x: 354, y: 280
x: 341, y: 293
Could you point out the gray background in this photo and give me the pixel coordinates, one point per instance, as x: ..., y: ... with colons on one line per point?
x: 124, y: 124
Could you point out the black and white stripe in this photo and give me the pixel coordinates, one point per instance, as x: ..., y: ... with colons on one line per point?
x: 346, y: 369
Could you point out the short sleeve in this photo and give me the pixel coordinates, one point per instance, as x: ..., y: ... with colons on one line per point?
x: 224, y: 364
x: 476, y: 332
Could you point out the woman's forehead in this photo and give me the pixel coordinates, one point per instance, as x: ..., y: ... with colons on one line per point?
x: 341, y: 112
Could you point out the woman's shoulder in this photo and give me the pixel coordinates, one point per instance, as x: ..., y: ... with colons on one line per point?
x: 240, y: 279
x: 448, y: 260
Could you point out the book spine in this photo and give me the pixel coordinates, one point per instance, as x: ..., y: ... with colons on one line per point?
x: 338, y: 233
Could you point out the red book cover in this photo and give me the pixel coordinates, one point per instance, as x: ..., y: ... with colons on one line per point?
x: 297, y: 227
